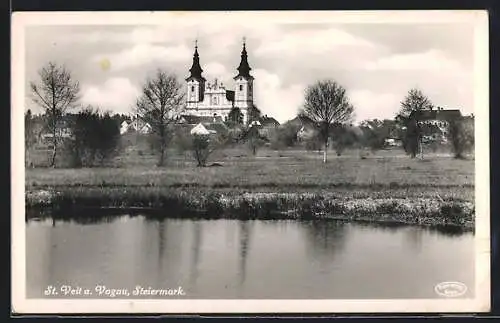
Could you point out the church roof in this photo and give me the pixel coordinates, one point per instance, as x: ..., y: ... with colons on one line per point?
x: 244, y: 68
x: 196, y: 69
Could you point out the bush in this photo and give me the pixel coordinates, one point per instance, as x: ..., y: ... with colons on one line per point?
x: 461, y: 136
x: 283, y: 137
x: 95, y: 139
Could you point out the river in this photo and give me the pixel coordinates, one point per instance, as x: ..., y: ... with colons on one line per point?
x: 223, y: 259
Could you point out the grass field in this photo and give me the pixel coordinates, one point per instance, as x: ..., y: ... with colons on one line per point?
x: 381, y: 182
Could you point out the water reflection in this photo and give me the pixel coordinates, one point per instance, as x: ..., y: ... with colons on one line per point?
x: 245, y: 242
x: 247, y: 259
x: 414, y: 238
x: 195, y: 257
x: 324, y: 238
x: 161, y: 243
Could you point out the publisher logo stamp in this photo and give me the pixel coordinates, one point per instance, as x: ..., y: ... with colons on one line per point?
x: 450, y: 289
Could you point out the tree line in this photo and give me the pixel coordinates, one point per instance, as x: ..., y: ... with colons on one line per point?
x: 95, y: 135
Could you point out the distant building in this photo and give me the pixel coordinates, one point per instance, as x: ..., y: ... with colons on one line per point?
x: 439, y: 118
x: 200, y: 129
x: 212, y: 99
x: 308, y: 128
x: 135, y: 124
x: 63, y: 128
x: 124, y: 127
x: 203, y: 125
x: 268, y: 124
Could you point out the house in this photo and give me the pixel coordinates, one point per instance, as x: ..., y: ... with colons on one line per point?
x: 439, y: 118
x: 393, y: 142
x: 268, y: 124
x: 200, y: 130
x: 209, y: 129
x: 136, y: 124
x: 124, y: 127
x: 63, y: 128
x: 308, y: 128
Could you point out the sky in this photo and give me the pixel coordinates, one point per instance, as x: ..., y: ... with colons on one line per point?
x: 377, y: 63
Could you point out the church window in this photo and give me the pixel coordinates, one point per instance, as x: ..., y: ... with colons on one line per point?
x: 241, y: 87
x: 192, y: 88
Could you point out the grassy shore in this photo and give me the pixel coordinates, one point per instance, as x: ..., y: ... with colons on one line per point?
x: 382, y: 187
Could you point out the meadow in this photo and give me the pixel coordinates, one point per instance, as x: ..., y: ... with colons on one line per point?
x: 384, y: 186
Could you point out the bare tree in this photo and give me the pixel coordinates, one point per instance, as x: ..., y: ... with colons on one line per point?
x: 56, y: 92
x: 204, y: 145
x: 326, y: 102
x: 159, y: 104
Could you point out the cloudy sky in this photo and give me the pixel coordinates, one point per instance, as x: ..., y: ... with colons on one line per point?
x: 376, y: 63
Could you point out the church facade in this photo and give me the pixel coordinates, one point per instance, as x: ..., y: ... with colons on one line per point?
x: 214, y: 99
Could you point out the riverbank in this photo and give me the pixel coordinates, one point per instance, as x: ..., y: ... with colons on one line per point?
x: 383, y: 188
x: 178, y: 203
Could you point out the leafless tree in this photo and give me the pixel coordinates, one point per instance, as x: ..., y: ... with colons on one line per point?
x: 55, y: 92
x: 326, y: 102
x: 160, y: 103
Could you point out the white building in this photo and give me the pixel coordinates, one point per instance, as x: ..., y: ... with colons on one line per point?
x: 214, y: 99
x: 135, y: 125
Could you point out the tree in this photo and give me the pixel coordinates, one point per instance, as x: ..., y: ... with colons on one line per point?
x: 159, y: 104
x: 461, y: 136
x: 95, y: 138
x: 375, y: 132
x: 284, y: 136
x: 414, y: 101
x: 326, y: 102
x: 56, y: 92
x: 253, y: 114
x: 254, y: 139
x: 204, y: 145
x: 343, y: 137
x: 30, y: 136
x: 235, y: 117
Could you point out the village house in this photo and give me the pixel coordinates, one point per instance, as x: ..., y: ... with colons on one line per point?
x: 267, y: 125
x: 63, y: 129
x: 439, y: 118
x: 203, y: 125
x: 308, y: 128
x: 136, y: 125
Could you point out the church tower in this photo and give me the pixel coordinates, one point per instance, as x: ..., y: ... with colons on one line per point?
x: 195, y: 82
x: 244, y: 85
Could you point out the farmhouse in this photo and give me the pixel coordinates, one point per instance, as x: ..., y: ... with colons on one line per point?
x: 136, y: 124
x: 63, y: 128
x: 439, y: 118
x: 213, y: 99
x: 268, y: 124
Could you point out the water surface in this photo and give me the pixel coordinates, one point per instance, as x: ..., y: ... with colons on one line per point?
x: 247, y: 259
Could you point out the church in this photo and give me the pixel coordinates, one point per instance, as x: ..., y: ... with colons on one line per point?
x: 213, y: 99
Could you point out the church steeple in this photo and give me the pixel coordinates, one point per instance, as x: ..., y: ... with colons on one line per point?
x: 196, y: 69
x: 244, y: 69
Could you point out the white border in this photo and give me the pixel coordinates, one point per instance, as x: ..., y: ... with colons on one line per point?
x: 480, y: 303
